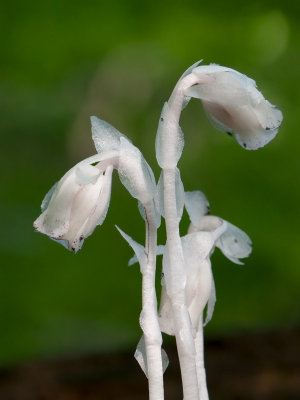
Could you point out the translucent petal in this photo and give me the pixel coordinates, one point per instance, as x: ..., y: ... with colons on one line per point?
x: 211, y: 303
x: 54, y: 221
x: 169, y: 141
x: 196, y: 249
x: 141, y: 357
x: 86, y: 174
x: 234, y: 104
x: 100, y: 210
x: 83, y: 207
x: 187, y: 72
x: 179, y: 191
x: 105, y: 136
x: 68, y: 206
x: 196, y: 205
x: 234, y: 243
x: 135, y: 174
x: 48, y: 197
x: 138, y: 249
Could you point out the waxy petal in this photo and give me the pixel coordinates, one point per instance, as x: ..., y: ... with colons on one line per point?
x: 83, y: 206
x: 48, y: 197
x: 101, y: 207
x: 196, y: 205
x: 105, y: 136
x: 135, y: 173
x: 234, y: 105
x: 234, y: 244
x: 211, y: 303
x: 68, y: 210
x: 86, y: 174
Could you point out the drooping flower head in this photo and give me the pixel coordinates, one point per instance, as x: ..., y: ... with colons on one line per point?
x: 234, y: 105
x: 79, y: 201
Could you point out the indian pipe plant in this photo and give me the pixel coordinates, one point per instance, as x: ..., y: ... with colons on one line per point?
x: 77, y: 203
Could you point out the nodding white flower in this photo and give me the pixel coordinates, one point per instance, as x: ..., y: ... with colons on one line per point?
x: 234, y: 105
x: 205, y: 233
x: 234, y: 243
x: 79, y: 202
x: 199, y: 286
x: 76, y: 204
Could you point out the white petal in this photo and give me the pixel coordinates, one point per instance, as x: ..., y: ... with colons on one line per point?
x: 135, y: 174
x: 141, y: 357
x: 234, y: 243
x: 138, y: 249
x: 234, y: 104
x: 196, y: 249
x: 169, y: 141
x: 105, y: 136
x: 217, y: 226
x: 83, y: 206
x: 196, y: 205
x: 48, y: 197
x: 211, y: 303
x: 99, y: 214
x: 86, y: 174
x: 57, y: 220
x: 54, y: 221
x: 187, y: 72
x: 179, y: 191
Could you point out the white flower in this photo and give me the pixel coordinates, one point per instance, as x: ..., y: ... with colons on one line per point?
x: 76, y: 204
x: 199, y: 288
x: 79, y: 202
x: 205, y: 233
x: 234, y: 105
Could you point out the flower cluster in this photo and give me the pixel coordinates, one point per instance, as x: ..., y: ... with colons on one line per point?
x: 79, y: 202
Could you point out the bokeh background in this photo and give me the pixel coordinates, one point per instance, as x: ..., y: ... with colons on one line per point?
x: 62, y: 61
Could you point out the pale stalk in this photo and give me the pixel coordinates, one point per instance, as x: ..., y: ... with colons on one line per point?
x: 152, y: 334
x: 199, y: 345
x: 183, y: 328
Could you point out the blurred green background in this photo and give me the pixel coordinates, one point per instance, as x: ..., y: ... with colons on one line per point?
x: 62, y: 61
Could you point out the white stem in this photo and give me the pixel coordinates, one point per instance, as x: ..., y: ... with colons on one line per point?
x: 199, y: 344
x: 152, y: 333
x: 182, y: 323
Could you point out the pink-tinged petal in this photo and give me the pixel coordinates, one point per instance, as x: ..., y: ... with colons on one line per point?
x: 234, y: 105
